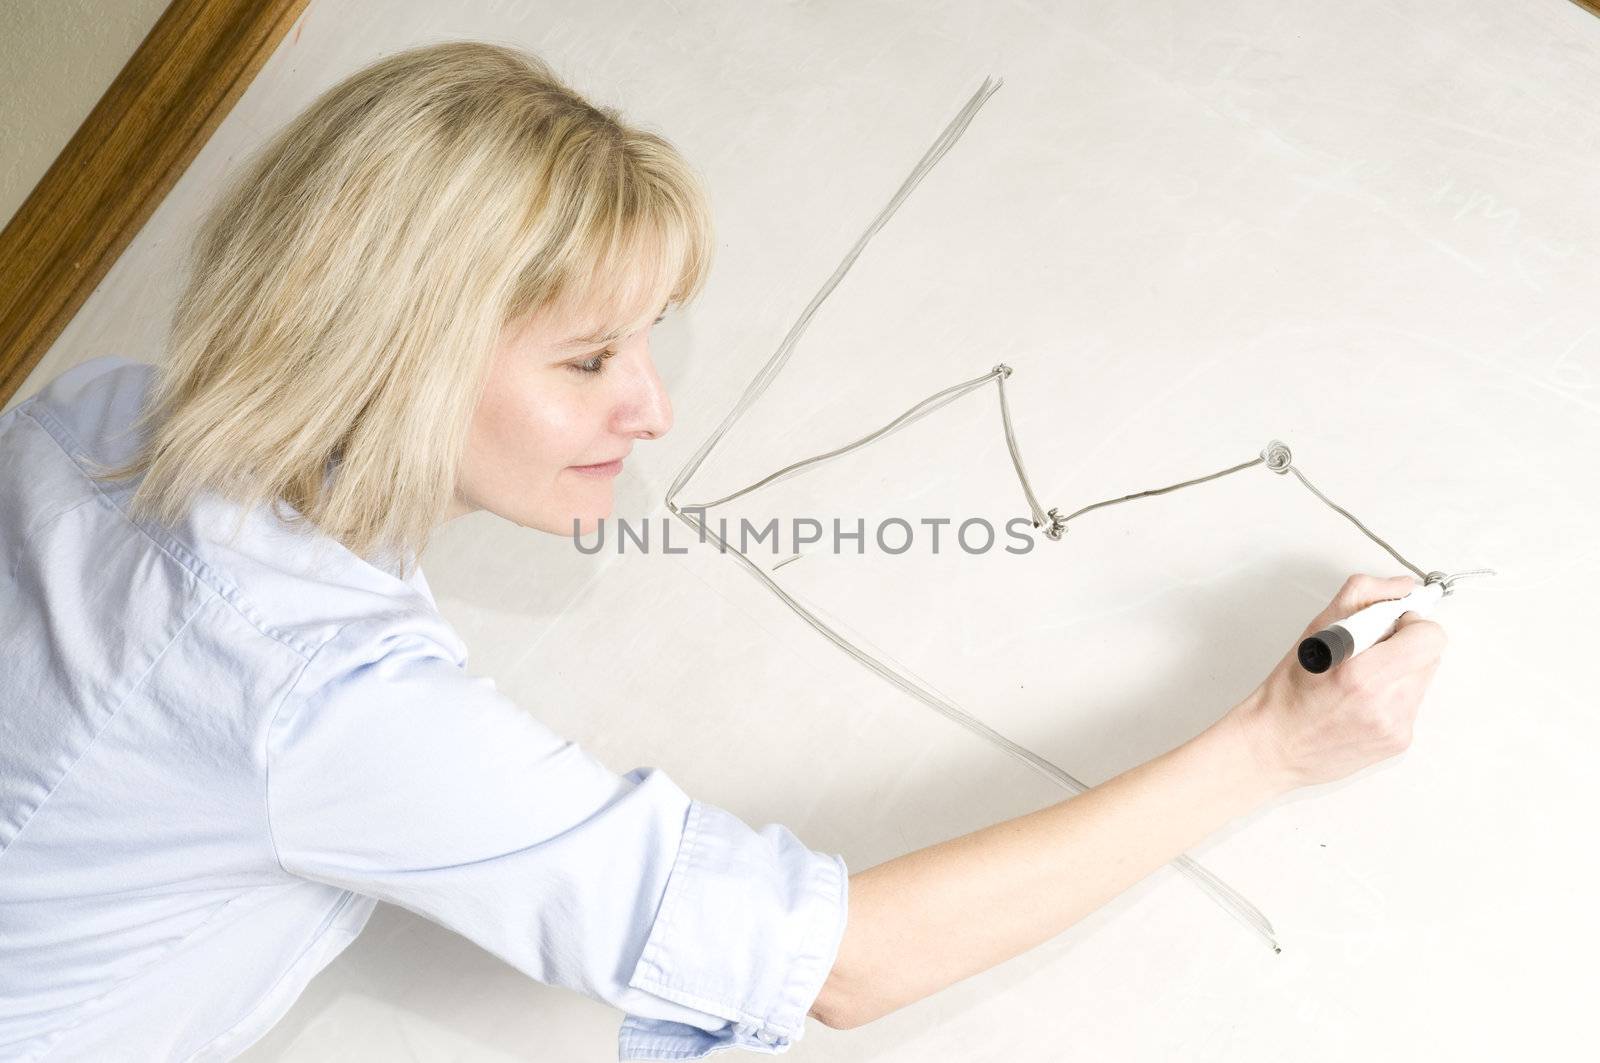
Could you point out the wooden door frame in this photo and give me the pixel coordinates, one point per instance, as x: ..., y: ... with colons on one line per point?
x: 163, y: 106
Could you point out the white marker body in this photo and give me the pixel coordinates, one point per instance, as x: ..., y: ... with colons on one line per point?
x: 1376, y: 621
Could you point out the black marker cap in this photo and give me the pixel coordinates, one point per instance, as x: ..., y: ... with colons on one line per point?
x: 1326, y: 648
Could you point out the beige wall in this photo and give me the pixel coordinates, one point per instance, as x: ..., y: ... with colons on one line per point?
x: 56, y: 59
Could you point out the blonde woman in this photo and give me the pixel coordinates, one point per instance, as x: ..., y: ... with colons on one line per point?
x: 232, y: 719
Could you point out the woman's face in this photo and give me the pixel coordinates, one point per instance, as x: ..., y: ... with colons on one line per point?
x: 561, y: 408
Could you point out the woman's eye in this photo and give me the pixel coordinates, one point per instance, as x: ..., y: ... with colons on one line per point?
x: 596, y: 364
x: 592, y: 365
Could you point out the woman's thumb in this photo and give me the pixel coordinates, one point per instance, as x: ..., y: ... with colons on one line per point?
x: 1358, y: 592
x: 1366, y: 590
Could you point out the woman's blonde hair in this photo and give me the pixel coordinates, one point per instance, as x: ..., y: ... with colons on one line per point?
x: 349, y: 286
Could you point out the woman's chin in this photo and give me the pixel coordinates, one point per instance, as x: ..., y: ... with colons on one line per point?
x: 580, y: 527
x: 576, y: 516
x: 587, y: 521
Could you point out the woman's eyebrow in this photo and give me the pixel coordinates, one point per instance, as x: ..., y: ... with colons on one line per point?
x: 587, y: 341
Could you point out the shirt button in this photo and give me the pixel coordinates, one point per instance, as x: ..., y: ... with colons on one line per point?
x: 767, y: 1036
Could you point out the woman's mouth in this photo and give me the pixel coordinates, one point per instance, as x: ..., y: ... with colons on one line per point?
x: 609, y: 468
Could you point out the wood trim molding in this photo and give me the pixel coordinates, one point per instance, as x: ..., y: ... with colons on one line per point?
x: 123, y: 160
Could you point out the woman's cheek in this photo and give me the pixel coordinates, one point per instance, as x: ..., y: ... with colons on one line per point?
x: 518, y: 424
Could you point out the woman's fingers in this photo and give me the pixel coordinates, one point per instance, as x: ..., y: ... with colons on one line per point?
x: 1417, y: 643
x: 1358, y: 592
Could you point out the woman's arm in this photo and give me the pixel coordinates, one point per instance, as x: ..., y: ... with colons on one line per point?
x: 930, y: 918
x: 933, y: 917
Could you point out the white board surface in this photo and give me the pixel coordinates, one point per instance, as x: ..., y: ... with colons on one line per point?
x: 1370, y: 230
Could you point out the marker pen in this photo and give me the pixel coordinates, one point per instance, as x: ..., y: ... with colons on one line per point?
x: 1348, y: 637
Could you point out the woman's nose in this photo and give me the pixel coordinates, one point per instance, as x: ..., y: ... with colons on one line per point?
x: 647, y: 410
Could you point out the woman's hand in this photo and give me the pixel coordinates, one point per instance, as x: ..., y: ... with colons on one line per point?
x: 1307, y: 728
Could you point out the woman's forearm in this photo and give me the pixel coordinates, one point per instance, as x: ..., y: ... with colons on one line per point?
x: 930, y: 918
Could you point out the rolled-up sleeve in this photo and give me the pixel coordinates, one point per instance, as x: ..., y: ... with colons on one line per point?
x: 395, y: 773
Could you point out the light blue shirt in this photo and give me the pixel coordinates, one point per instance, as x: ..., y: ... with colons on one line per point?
x: 217, y: 756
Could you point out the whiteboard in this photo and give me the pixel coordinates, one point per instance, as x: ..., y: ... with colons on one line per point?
x: 1368, y: 230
